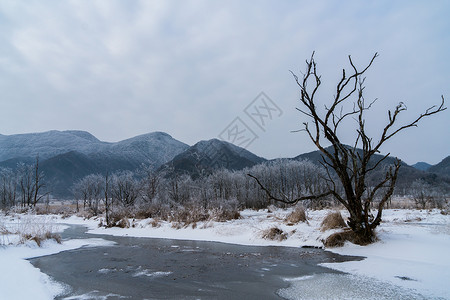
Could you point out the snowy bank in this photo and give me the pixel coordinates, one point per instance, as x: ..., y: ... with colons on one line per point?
x: 18, y: 278
x: 413, y: 253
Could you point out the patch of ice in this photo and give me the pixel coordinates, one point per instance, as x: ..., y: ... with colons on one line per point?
x: 149, y: 273
x: 95, y: 295
x: 343, y: 286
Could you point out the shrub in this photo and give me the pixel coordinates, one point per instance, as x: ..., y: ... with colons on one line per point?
x: 275, y: 234
x: 333, y: 220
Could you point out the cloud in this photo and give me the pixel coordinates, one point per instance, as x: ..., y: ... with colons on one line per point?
x: 118, y: 69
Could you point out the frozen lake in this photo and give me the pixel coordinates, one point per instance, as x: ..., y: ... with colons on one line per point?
x: 146, y: 268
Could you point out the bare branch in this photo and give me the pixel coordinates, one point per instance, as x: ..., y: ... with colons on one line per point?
x: 287, y: 201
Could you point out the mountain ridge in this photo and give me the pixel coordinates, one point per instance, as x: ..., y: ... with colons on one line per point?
x: 67, y: 156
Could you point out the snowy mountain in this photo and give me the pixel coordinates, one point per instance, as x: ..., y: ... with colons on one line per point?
x: 67, y: 156
x: 423, y: 166
x: 442, y: 168
x: 48, y: 144
x: 207, y: 156
x: 155, y: 148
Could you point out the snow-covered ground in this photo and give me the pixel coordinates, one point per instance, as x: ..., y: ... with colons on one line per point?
x: 411, y: 258
x: 18, y: 278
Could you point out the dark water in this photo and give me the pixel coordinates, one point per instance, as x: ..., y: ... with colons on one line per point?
x: 145, y: 268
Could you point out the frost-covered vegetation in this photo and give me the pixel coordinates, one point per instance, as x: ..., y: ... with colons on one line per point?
x: 22, y: 228
x: 184, y: 201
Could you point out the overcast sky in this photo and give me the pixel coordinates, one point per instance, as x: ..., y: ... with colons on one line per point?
x: 189, y: 68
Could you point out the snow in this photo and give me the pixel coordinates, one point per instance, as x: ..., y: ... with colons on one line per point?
x: 245, y: 231
x: 410, y: 260
x: 413, y: 253
x: 16, y: 271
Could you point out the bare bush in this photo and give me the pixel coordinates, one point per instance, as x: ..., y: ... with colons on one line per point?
x: 275, y: 234
x: 333, y: 220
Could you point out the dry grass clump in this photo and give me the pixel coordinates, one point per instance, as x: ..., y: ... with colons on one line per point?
x: 275, y: 234
x: 123, y: 223
x: 39, y: 238
x: 297, y: 215
x: 333, y: 220
x: 338, y: 239
x: 152, y: 210
x: 192, y: 213
x: 62, y: 208
x: 187, y: 215
x: 37, y: 229
x: 3, y: 228
x: 117, y: 214
x: 221, y: 214
x: 155, y: 222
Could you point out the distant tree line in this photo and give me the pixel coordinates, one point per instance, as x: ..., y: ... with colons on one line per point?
x: 151, y: 193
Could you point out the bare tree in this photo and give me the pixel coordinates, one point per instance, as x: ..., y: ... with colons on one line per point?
x: 26, y: 184
x: 90, y: 188
x: 150, y: 184
x: 8, y: 184
x: 350, y: 164
x: 39, y: 183
x: 107, y: 202
x: 423, y: 193
x: 124, y: 188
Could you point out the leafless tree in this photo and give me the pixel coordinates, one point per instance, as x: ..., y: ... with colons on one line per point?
x: 350, y: 164
x: 124, y: 188
x: 107, y: 202
x: 8, y: 184
x: 90, y: 188
x: 423, y: 193
x: 26, y: 184
x: 150, y: 184
x: 39, y: 183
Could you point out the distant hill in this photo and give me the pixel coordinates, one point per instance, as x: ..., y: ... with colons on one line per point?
x: 156, y: 147
x: 48, y: 144
x: 66, y: 156
x: 423, y: 166
x: 208, y: 156
x: 442, y: 168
